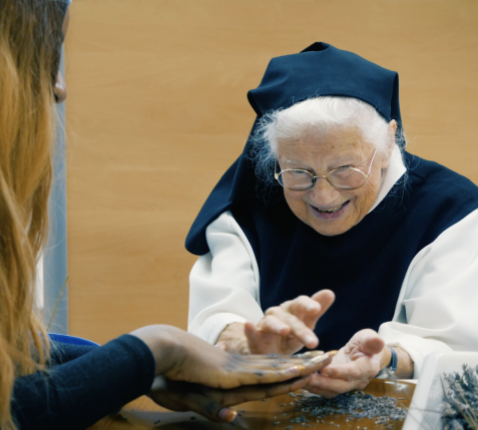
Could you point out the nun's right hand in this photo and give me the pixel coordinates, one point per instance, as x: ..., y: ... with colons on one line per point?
x: 284, y: 329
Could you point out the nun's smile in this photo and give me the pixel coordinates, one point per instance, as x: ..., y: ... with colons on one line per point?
x: 327, y: 209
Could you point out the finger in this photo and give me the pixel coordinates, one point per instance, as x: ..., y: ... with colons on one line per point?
x: 372, y: 343
x: 276, y: 369
x: 252, y: 334
x: 362, y: 368
x: 214, y: 403
x: 221, y: 345
x: 256, y: 392
x: 303, y: 307
x: 300, y: 330
x: 331, y: 387
x: 275, y: 324
x: 296, y: 327
x: 325, y: 298
x: 184, y: 396
x: 254, y: 338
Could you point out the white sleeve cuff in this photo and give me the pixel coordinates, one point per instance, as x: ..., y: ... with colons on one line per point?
x: 211, y: 328
x: 418, y: 347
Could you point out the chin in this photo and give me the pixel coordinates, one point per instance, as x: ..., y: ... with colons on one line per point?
x: 330, y: 230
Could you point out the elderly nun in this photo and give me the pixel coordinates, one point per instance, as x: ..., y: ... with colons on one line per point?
x: 325, y: 205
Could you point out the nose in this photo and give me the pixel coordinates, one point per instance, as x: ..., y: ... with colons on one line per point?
x: 322, y: 194
x: 60, y: 90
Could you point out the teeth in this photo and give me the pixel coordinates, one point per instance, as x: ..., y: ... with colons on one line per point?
x: 333, y: 209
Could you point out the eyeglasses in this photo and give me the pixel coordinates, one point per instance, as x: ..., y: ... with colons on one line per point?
x: 344, y: 178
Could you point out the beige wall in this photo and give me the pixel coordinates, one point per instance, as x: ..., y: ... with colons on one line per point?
x: 157, y: 111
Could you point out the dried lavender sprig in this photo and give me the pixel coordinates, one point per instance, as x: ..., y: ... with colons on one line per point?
x: 460, y: 409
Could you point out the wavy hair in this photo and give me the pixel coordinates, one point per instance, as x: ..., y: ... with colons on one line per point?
x: 30, y: 45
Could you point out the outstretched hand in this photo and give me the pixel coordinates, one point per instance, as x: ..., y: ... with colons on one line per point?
x: 285, y: 329
x: 213, y: 403
x: 353, y: 367
x: 181, y: 356
x: 194, y: 375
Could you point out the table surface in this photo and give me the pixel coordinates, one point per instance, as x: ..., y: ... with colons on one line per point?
x: 275, y: 413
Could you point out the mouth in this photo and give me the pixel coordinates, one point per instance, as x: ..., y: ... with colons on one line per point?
x: 331, y: 213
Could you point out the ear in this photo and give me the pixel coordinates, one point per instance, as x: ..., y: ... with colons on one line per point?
x: 392, y: 128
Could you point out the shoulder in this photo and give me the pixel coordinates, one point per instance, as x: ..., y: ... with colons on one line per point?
x: 429, y: 173
x: 435, y: 188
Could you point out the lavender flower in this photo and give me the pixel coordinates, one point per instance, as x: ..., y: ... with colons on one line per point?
x: 460, y: 408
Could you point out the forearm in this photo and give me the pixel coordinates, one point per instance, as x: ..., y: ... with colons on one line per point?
x: 405, y: 366
x: 76, y: 394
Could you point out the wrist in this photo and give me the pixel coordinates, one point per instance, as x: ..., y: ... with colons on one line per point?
x: 386, y: 357
x: 162, y: 341
x: 234, y: 339
x: 390, y: 368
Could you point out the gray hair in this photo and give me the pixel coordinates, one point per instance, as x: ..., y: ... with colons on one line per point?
x: 317, y: 114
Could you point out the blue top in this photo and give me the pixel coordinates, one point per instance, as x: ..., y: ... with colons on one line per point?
x: 83, y: 384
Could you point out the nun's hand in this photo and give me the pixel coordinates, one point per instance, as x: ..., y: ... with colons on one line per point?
x: 213, y: 403
x: 285, y: 329
x: 355, y: 365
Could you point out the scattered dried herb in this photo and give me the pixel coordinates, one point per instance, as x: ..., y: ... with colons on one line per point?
x: 355, y: 404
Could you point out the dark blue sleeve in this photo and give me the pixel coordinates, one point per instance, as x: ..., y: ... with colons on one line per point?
x: 77, y: 393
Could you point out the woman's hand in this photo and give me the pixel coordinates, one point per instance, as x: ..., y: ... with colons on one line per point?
x: 285, y: 329
x: 213, y: 403
x: 181, y: 356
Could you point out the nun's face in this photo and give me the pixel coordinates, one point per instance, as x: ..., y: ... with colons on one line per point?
x: 329, y: 210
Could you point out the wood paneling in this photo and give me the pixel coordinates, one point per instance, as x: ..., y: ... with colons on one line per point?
x: 157, y: 111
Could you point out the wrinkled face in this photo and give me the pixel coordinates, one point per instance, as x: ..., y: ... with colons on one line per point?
x: 328, y: 210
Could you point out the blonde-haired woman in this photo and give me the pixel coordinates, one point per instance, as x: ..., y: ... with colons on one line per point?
x: 45, y: 386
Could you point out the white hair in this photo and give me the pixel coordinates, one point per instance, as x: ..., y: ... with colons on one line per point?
x: 318, y: 114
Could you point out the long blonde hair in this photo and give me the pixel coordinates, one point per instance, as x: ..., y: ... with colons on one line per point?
x: 30, y: 43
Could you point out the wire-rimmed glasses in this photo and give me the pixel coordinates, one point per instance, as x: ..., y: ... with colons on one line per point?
x: 343, y: 178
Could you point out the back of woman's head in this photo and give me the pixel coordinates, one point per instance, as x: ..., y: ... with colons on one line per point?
x: 30, y: 44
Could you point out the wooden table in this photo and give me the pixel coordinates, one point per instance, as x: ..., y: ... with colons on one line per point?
x: 143, y: 414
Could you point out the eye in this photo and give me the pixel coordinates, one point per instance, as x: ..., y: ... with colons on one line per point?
x: 298, y: 173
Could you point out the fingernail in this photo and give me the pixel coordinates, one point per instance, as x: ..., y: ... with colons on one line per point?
x: 309, y: 339
x: 294, y: 370
x: 227, y: 415
x: 332, y: 353
x: 318, y: 359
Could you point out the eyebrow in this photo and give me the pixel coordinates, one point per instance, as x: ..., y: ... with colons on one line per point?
x: 340, y: 162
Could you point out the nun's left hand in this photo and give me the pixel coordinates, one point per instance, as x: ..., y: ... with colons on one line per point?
x: 355, y: 365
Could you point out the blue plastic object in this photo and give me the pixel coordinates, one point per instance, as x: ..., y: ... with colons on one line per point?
x: 71, y: 340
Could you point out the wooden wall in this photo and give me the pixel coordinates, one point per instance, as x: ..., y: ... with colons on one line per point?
x: 157, y: 111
